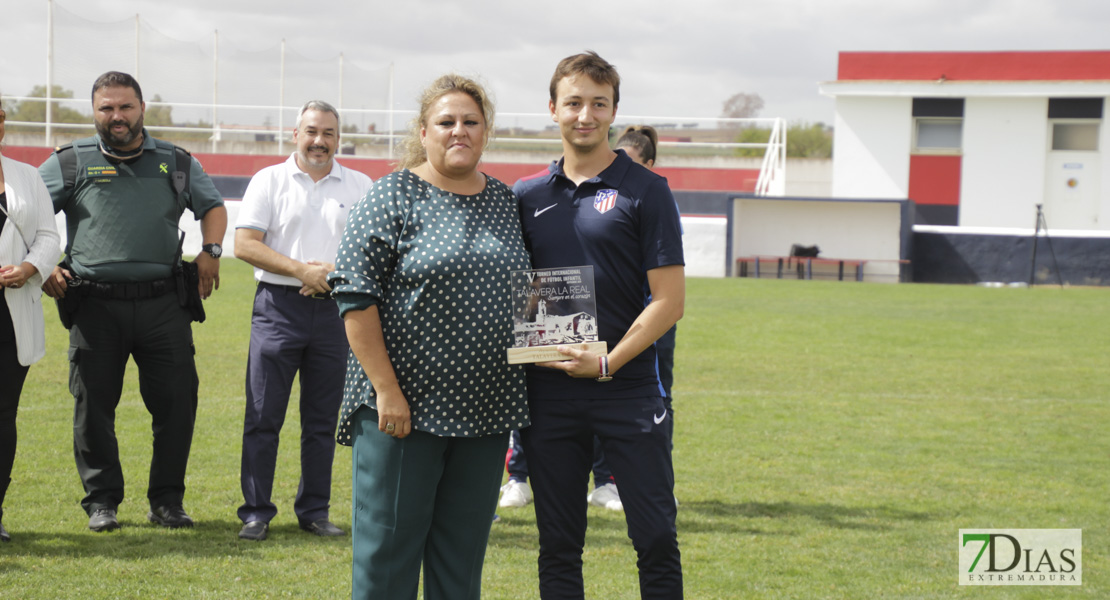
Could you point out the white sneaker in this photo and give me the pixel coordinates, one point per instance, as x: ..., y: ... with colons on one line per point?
x: 606, y: 496
x: 515, y: 494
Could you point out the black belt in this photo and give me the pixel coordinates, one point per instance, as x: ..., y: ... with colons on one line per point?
x: 139, y: 290
x: 292, y: 289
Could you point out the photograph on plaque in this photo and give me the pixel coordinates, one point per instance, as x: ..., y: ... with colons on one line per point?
x: 553, y: 307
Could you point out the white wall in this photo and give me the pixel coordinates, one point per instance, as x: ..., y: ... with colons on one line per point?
x: 872, y: 147
x: 191, y: 227
x: 1004, y: 145
x: 810, y: 177
x: 1004, y: 168
x: 704, y: 244
x: 1104, y: 163
x: 857, y: 230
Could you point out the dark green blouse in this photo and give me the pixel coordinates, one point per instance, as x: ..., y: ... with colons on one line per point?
x: 437, y: 266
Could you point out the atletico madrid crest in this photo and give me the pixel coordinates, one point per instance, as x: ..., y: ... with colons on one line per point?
x: 605, y: 200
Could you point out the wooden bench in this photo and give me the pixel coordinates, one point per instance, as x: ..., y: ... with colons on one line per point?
x: 802, y: 264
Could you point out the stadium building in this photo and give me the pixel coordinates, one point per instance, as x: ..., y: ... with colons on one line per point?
x: 991, y: 147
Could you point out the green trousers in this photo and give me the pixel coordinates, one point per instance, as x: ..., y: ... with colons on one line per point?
x: 422, y: 500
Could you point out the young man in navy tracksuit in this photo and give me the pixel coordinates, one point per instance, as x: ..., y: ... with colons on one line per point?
x: 597, y: 207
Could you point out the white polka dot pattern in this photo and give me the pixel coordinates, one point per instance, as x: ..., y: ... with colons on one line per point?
x: 437, y: 265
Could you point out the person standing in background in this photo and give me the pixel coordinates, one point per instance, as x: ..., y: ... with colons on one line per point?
x: 290, y: 223
x: 123, y: 193
x: 29, y: 245
x: 641, y: 144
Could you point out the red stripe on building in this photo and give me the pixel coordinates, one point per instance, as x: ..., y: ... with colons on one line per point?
x: 723, y: 180
x: 246, y: 165
x: 935, y: 179
x: 29, y: 155
x: 1064, y: 65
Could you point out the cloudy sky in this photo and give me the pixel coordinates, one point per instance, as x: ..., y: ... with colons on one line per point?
x: 679, y: 59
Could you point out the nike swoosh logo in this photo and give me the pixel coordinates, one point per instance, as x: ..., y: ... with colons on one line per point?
x: 659, y: 419
x: 540, y: 211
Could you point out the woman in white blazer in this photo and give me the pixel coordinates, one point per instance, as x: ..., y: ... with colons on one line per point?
x: 29, y: 247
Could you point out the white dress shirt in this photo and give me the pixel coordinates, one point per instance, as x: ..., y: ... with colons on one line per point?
x: 300, y: 218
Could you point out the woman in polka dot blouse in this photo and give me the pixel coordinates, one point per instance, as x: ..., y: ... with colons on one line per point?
x: 422, y: 282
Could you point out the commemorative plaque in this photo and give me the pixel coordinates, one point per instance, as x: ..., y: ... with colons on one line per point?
x: 553, y: 307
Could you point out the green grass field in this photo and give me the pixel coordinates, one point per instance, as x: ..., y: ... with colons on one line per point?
x: 831, y: 440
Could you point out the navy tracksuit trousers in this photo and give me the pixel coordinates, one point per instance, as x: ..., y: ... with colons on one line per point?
x: 633, y: 435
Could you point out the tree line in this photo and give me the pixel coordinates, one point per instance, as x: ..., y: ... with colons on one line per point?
x: 803, y: 139
x: 34, y: 111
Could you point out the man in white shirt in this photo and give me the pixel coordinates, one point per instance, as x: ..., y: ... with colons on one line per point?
x: 289, y: 227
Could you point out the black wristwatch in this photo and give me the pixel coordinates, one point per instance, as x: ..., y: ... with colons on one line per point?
x: 213, y: 250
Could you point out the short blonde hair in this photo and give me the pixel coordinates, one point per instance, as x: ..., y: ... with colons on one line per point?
x: 414, y: 154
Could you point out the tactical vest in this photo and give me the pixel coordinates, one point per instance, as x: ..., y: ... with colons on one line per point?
x: 124, y: 213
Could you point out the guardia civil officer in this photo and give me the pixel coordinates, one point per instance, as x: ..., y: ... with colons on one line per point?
x: 124, y: 294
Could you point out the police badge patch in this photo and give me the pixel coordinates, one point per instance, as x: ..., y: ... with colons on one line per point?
x: 605, y: 200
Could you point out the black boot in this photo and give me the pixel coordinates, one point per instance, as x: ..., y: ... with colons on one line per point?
x: 4, y: 535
